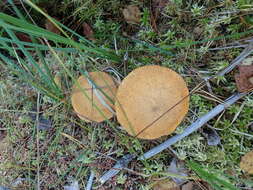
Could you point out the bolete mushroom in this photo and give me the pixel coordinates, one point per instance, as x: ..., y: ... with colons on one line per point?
x: 151, y: 102
x: 92, y: 97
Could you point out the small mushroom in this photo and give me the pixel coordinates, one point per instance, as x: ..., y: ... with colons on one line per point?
x: 144, y: 98
x: 92, y: 97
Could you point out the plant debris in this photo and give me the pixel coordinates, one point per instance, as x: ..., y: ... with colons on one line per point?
x: 2, y: 134
x: 88, y: 32
x: 132, y: 14
x: 4, y: 144
x: 178, y: 169
x: 244, y: 80
x: 23, y: 37
x: 213, y: 138
x: 73, y: 185
x: 166, y: 185
x: 57, y: 80
x: 246, y: 163
x: 157, y: 7
x: 51, y: 27
x: 188, y: 186
x: 43, y: 123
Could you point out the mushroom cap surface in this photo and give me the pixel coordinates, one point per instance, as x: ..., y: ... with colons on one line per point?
x: 84, y: 106
x: 144, y: 98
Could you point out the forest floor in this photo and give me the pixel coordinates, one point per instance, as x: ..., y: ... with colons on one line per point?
x: 197, y: 39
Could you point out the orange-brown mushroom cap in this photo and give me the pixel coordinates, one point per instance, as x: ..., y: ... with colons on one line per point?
x: 145, y: 95
x: 84, y: 105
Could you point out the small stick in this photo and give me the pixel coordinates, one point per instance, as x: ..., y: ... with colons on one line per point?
x: 90, y: 181
x: 38, y: 142
x: 123, y: 162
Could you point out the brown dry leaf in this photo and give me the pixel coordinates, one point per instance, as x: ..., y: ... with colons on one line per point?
x: 23, y: 37
x: 51, y: 27
x: 166, y: 185
x: 132, y: 14
x: 87, y: 31
x: 244, y: 80
x: 246, y: 163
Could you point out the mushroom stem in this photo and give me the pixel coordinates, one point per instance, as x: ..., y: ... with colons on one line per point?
x: 190, y: 129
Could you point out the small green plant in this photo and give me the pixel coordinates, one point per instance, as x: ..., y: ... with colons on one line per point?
x: 214, y: 179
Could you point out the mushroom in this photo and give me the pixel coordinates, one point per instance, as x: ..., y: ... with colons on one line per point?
x: 144, y: 98
x: 92, y: 98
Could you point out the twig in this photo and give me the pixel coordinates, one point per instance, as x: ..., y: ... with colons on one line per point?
x: 123, y: 162
x: 38, y: 142
x: 90, y: 181
x: 228, y: 47
x: 4, y: 188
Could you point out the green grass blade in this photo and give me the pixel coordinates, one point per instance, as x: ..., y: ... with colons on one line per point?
x: 212, y: 179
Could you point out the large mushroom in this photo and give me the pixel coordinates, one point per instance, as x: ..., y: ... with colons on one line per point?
x: 151, y: 102
x: 93, y: 95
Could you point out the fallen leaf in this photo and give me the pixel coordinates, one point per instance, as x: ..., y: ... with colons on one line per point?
x: 246, y: 163
x: 23, y: 37
x: 213, y: 139
x: 132, y: 14
x: 88, y: 32
x: 165, y: 185
x: 177, y: 169
x: 244, y: 80
x: 51, y: 27
x: 43, y: 124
